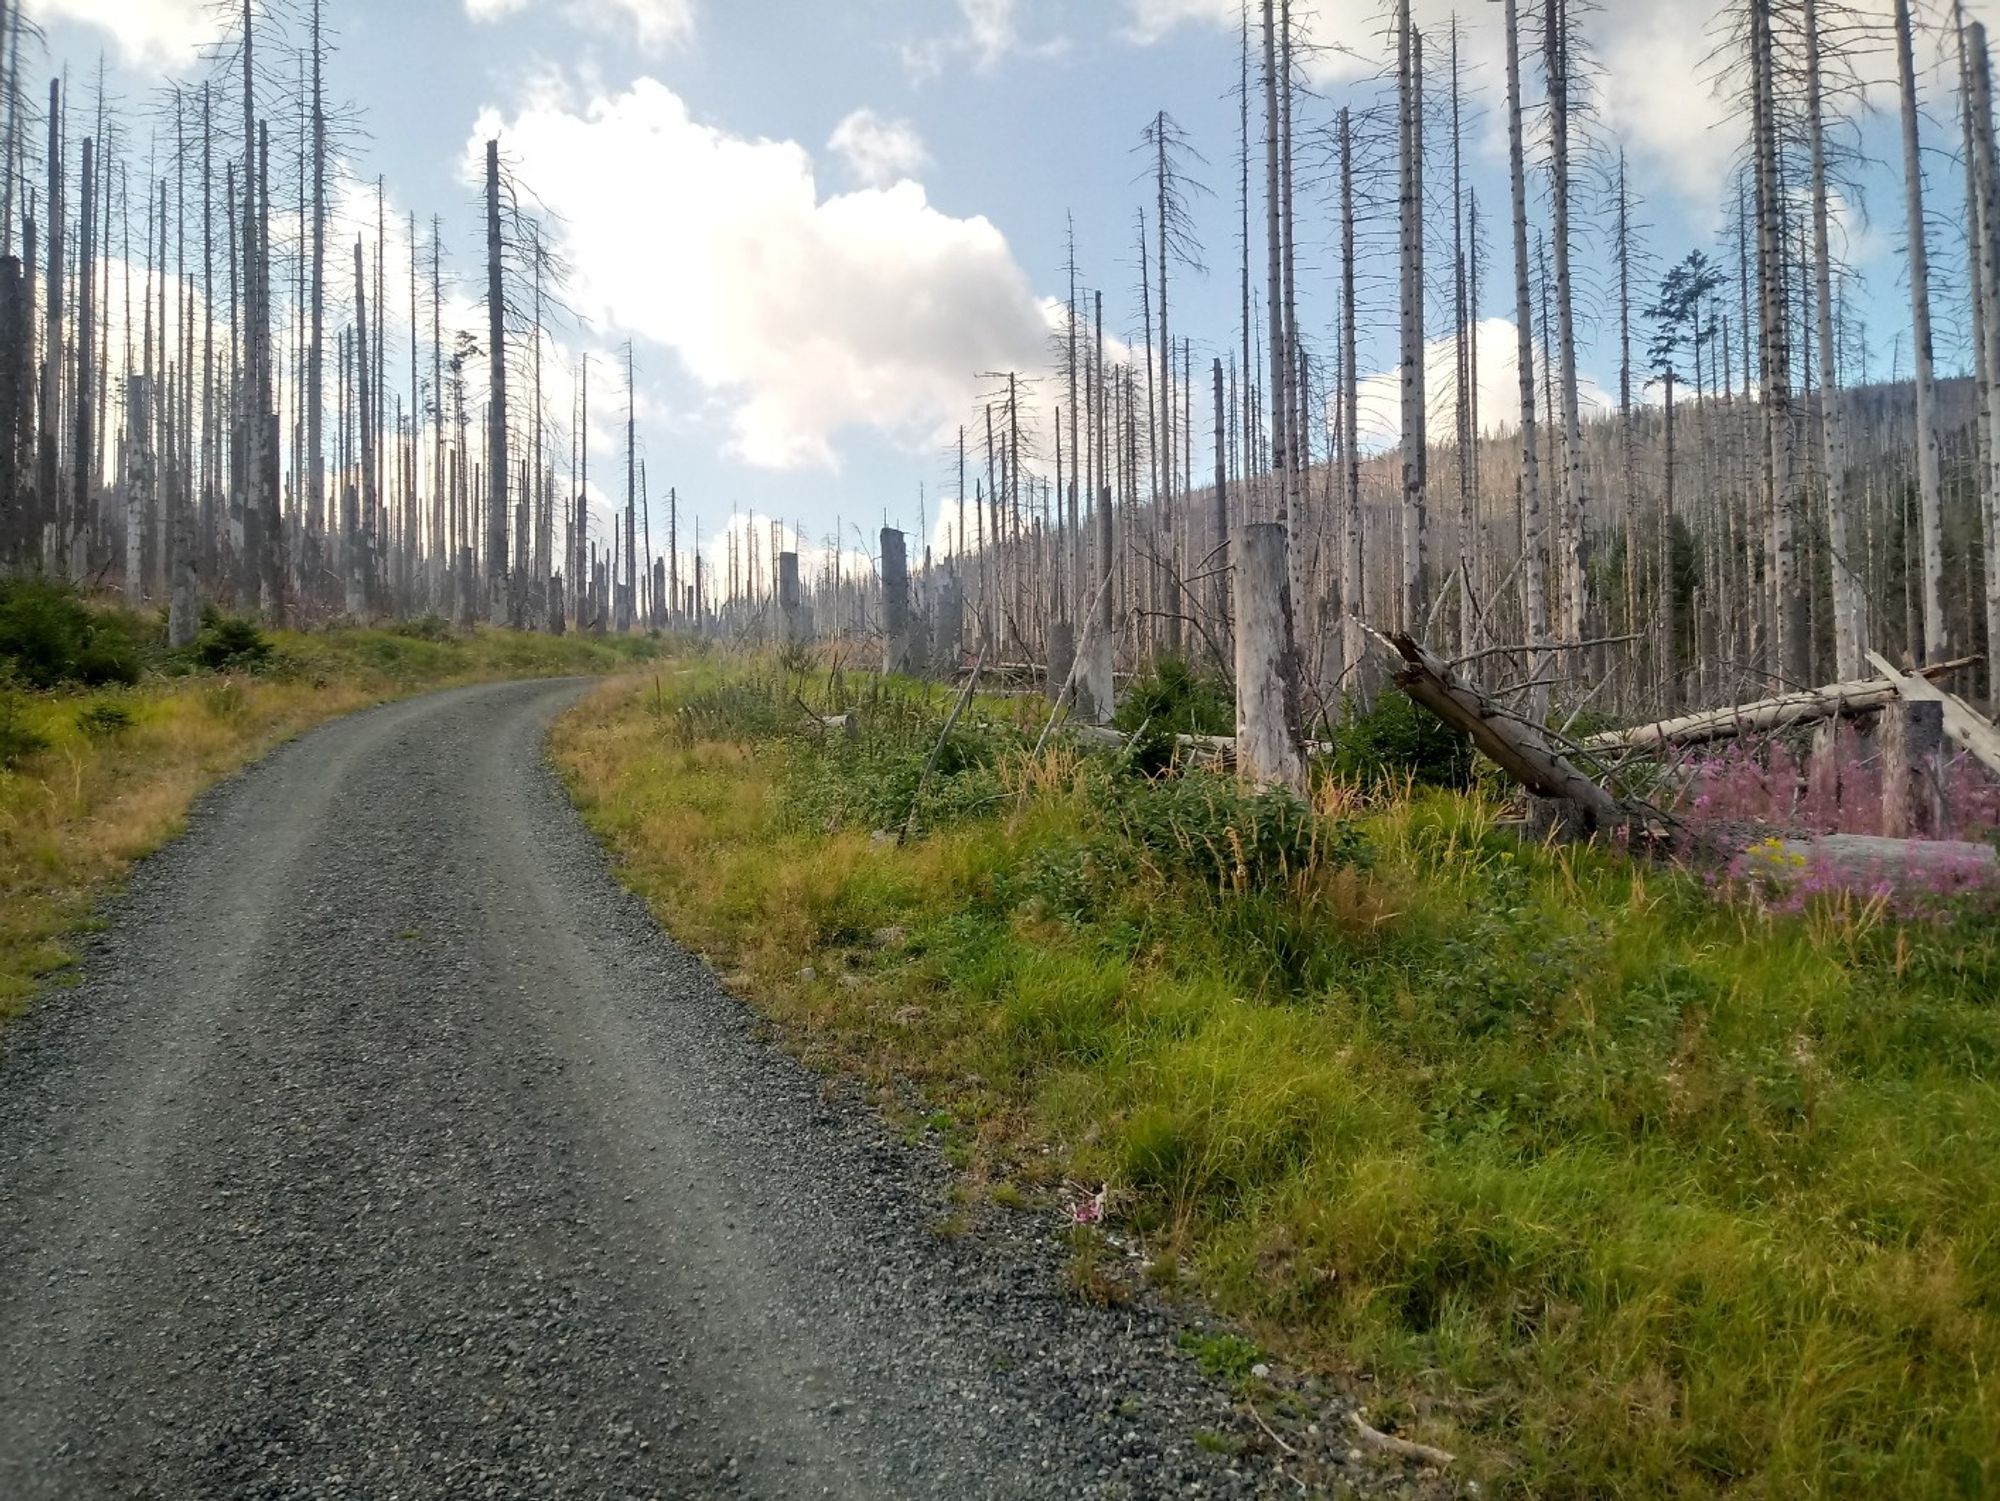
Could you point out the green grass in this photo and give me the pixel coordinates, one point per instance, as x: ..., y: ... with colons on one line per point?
x: 1607, y: 1187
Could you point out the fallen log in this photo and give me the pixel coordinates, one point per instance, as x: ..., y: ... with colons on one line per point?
x: 1807, y: 706
x: 1864, y: 861
x: 1964, y: 724
x: 1517, y: 747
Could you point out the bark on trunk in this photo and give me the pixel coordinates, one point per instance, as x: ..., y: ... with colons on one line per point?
x: 1269, y: 746
x: 1929, y: 496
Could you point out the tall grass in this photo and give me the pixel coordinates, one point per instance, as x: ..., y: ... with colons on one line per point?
x: 1620, y: 1190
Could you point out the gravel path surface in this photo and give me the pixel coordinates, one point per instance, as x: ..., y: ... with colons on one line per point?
x: 389, y: 1149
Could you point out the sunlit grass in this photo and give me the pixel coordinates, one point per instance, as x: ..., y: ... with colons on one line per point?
x: 1614, y: 1190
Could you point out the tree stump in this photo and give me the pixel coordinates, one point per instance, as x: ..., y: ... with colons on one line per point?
x: 1269, y: 751
x: 948, y: 638
x: 895, y: 603
x: 1823, y: 767
x: 1911, y: 739
x: 788, y: 598
x: 1062, y: 657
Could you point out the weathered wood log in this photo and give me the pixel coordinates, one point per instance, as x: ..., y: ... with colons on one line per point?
x: 1861, y: 860
x: 1809, y: 705
x: 1964, y: 724
x: 1512, y: 743
x: 1911, y: 738
x: 1201, y: 750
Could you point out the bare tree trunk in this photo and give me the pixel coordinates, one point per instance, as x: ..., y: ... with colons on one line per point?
x: 355, y: 571
x: 1353, y: 602
x: 1164, y: 447
x: 628, y: 606
x: 47, y: 486
x: 1784, y: 585
x: 1464, y: 375
x: 499, y: 601
x: 1269, y: 749
x: 1534, y: 542
x: 1987, y: 218
x: 316, y: 311
x: 1622, y: 242
x: 1670, y: 661
x: 1936, y: 643
x: 1409, y: 49
x: 1298, y: 432
x: 1575, y: 584
x: 84, y: 502
x: 1274, y: 295
x: 1075, y: 538
x: 1850, y: 631
x: 270, y: 554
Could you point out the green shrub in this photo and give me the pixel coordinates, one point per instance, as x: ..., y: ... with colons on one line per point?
x: 1209, y: 826
x: 48, y: 637
x: 1172, y: 699
x: 229, y: 643
x: 18, y: 738
x: 1398, y: 740
x: 748, y: 709
x: 101, y: 720
x: 425, y: 628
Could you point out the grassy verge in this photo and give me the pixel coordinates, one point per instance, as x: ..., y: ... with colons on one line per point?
x: 96, y: 777
x: 1613, y: 1189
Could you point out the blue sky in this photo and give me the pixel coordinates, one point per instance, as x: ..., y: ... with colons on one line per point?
x: 812, y: 305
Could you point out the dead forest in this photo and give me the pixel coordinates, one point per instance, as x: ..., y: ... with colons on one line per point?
x: 213, y: 391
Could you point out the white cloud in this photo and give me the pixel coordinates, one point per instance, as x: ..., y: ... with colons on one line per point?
x: 1657, y: 91
x: 878, y: 151
x: 162, y: 32
x: 1380, y: 401
x: 989, y: 33
x: 803, y: 314
x: 1654, y: 87
x: 1151, y: 21
x: 1338, y: 41
x: 656, y: 26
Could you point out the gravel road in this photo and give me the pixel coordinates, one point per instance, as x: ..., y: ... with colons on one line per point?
x: 389, y: 1149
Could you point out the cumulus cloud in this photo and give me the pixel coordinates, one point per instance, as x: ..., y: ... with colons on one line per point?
x: 1379, y: 400
x: 656, y: 26
x: 802, y: 314
x: 1655, y: 88
x: 988, y: 33
x: 162, y: 32
x: 876, y: 150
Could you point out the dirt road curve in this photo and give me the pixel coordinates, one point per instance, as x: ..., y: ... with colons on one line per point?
x: 389, y: 1150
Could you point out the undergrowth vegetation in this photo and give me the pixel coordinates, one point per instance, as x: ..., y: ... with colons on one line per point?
x: 1611, y: 1187
x: 106, y: 736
